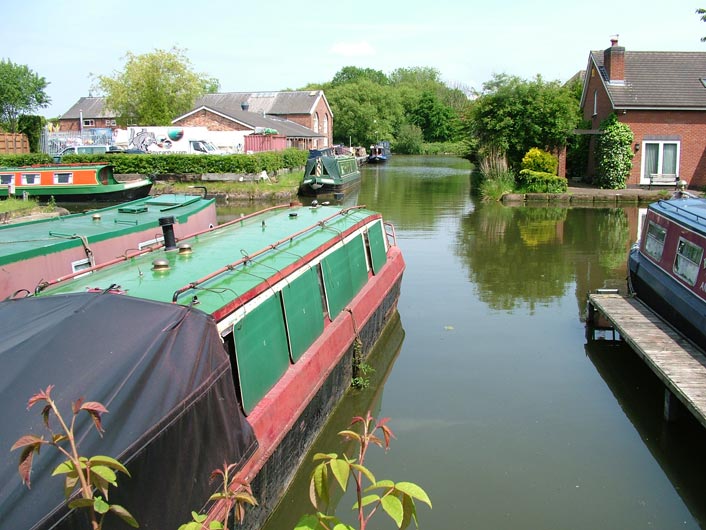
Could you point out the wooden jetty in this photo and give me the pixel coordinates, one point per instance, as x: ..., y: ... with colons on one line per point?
x: 676, y: 361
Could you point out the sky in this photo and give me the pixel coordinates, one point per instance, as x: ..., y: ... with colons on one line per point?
x: 271, y: 45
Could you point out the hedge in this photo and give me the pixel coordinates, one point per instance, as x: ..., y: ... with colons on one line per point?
x: 178, y: 164
x: 539, y: 182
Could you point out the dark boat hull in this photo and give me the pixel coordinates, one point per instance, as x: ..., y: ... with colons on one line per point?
x: 667, y: 297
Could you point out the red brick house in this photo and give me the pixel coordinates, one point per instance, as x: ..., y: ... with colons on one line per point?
x: 305, y: 117
x: 661, y: 96
x: 87, y: 113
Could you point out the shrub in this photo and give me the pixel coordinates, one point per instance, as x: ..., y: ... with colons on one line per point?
x: 538, y: 160
x: 24, y: 160
x: 613, y: 154
x: 496, y: 178
x: 540, y: 182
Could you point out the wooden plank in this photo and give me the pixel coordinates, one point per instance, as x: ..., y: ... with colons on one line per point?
x: 677, y: 362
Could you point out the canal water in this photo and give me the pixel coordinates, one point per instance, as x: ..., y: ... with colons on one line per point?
x: 504, y: 411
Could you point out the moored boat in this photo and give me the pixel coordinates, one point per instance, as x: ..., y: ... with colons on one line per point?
x: 326, y: 174
x: 379, y: 153
x: 36, y: 251
x: 666, y: 267
x: 235, y: 345
x: 70, y: 183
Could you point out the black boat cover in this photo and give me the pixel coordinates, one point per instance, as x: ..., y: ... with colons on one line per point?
x: 163, y: 374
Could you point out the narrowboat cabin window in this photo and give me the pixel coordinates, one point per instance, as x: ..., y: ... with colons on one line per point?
x: 687, y: 261
x: 660, y: 158
x: 654, y: 242
x: 63, y: 178
x: 80, y: 265
x: 6, y: 179
x: 30, y: 178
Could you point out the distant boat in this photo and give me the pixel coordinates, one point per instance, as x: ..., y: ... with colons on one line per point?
x: 70, y: 183
x: 237, y: 344
x: 328, y: 173
x: 37, y: 251
x: 379, y: 153
x: 667, y: 268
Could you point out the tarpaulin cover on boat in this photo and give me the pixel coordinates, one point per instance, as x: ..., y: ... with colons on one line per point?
x: 162, y: 373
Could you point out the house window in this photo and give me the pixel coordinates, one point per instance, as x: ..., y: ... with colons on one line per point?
x: 316, y: 122
x: 63, y: 178
x: 110, y: 123
x: 89, y: 122
x: 654, y: 243
x: 30, y: 178
x: 325, y: 123
x: 595, y: 102
x: 687, y: 261
x: 660, y: 158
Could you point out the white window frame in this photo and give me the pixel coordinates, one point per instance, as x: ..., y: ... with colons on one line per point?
x: 36, y: 181
x: 645, y: 179
x: 69, y: 181
x: 595, y: 102
x: 684, y: 267
x: 89, y: 122
x: 654, y: 242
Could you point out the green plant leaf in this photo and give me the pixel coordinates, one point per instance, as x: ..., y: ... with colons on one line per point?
x: 319, y: 481
x: 65, y: 467
x: 414, y: 491
x: 105, y: 473
x: 215, y: 525
x: 385, y: 484
x: 307, y: 522
x: 368, y: 499
x: 100, y: 506
x: 393, y: 507
x: 124, y: 515
x: 365, y: 471
x: 70, y: 483
x: 81, y: 503
x: 410, y: 512
x: 108, y: 462
x: 324, y: 456
x: 350, y: 434
x: 341, y: 471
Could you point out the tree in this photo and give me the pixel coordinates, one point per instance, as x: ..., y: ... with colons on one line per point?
x: 353, y: 74
x: 514, y: 115
x: 701, y: 11
x: 21, y: 92
x: 437, y: 121
x: 154, y: 88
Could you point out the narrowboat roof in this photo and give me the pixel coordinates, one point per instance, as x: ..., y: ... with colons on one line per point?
x: 162, y: 373
x: 689, y: 212
x: 229, y: 261
x: 19, y: 241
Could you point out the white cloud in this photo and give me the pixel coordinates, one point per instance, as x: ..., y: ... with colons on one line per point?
x: 352, y: 49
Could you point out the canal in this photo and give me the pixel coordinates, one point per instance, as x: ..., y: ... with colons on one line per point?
x: 504, y: 412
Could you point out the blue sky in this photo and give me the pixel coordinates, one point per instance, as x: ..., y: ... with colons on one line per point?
x: 275, y: 44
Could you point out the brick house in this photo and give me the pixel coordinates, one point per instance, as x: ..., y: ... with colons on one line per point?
x: 661, y: 96
x: 305, y: 117
x: 87, y: 113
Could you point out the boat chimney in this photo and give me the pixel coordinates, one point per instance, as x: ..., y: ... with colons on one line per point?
x: 167, y: 224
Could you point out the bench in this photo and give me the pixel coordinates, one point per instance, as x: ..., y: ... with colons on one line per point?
x: 664, y: 179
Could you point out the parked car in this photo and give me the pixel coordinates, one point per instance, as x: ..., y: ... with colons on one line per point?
x: 82, y: 150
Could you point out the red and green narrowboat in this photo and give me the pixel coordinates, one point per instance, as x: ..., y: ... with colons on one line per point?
x: 232, y: 345
x: 36, y: 251
x: 70, y: 183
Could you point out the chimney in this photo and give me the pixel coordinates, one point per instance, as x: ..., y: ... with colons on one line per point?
x: 245, y: 106
x: 614, y: 61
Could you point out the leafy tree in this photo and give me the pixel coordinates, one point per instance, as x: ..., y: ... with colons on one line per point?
x: 31, y: 127
x: 21, y: 92
x: 154, y: 88
x: 409, y: 140
x: 513, y: 115
x: 353, y: 74
x: 613, y: 154
x: 701, y: 11
x: 437, y: 121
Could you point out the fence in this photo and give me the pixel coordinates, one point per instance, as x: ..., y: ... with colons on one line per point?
x: 13, y: 143
x: 54, y: 143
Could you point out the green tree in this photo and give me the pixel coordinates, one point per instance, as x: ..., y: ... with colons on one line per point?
x: 353, y: 74
x: 409, y: 140
x: 513, y: 115
x: 437, y: 121
x: 613, y: 154
x: 701, y: 11
x: 21, y: 92
x: 154, y: 88
x: 31, y: 127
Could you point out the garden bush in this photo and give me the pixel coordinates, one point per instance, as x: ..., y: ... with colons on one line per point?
x: 539, y: 160
x: 540, y: 182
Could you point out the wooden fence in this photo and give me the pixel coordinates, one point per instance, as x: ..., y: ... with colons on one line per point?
x: 13, y: 144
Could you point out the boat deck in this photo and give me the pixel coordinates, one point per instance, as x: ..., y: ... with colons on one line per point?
x: 27, y: 239
x: 678, y: 363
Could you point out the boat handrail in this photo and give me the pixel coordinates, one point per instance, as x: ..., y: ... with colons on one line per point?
x: 683, y: 211
x: 231, y: 266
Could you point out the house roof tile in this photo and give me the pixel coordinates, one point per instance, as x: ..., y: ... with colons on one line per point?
x: 658, y: 80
